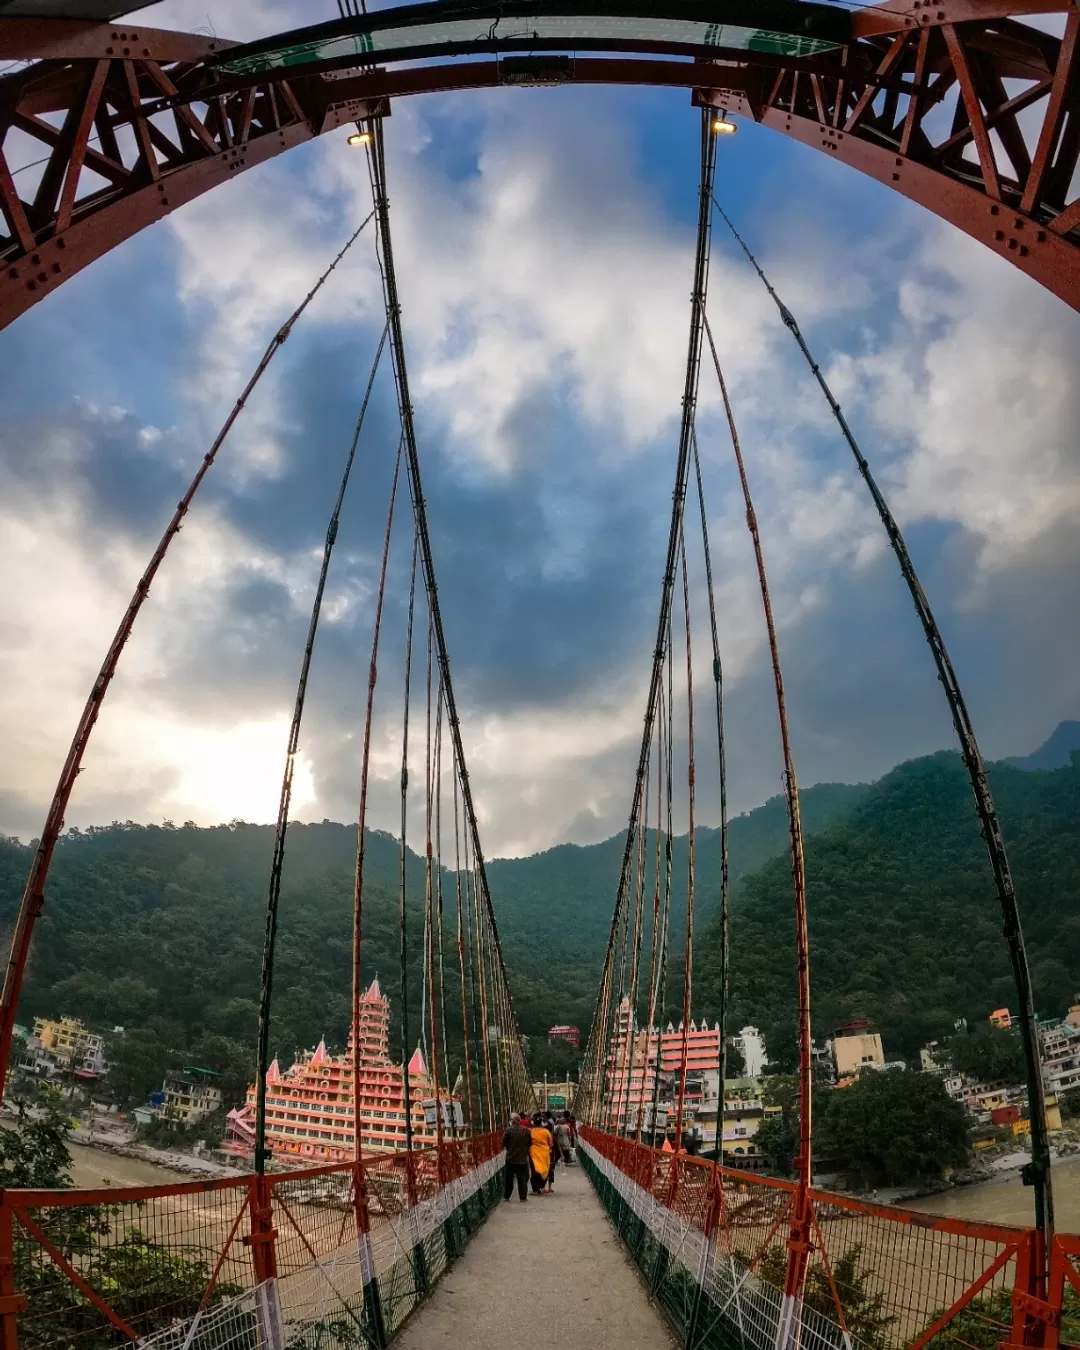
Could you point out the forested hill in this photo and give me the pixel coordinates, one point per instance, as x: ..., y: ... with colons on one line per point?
x: 554, y: 908
x: 162, y: 928
x: 905, y: 926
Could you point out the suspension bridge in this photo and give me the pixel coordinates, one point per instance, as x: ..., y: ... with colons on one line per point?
x: 970, y: 108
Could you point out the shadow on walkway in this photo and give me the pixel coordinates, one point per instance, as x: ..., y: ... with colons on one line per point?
x: 550, y: 1271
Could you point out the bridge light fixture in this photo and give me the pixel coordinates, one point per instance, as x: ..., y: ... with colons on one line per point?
x: 360, y: 138
x: 722, y: 127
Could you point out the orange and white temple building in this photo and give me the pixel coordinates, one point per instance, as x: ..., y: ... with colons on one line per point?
x: 636, y: 1055
x: 309, y: 1107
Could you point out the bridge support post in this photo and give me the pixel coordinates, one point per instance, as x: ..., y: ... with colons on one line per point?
x: 12, y: 1303
x: 789, y: 1325
x: 1037, y: 1299
x: 373, y: 1310
x: 262, y: 1240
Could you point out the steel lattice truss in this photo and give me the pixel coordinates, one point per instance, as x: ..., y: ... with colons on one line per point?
x: 965, y: 106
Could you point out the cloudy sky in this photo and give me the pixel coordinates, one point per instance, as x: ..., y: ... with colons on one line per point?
x: 544, y: 245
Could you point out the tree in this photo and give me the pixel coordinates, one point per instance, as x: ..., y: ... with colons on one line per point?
x: 778, y: 1134
x: 864, y: 1312
x: 233, y: 1060
x: 35, y: 1153
x: 137, y: 1061
x: 778, y: 1138
x: 892, y: 1127
x: 989, y: 1054
x: 1070, y: 1104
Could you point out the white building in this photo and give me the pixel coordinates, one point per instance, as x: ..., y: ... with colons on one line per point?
x: 1060, y: 1047
x: 751, y: 1044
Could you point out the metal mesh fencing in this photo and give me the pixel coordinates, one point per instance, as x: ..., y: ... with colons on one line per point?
x: 102, y: 1268
x: 711, y: 1243
x: 317, y: 1258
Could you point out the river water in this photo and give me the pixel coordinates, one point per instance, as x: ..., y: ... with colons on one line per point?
x: 93, y: 1168
x: 1007, y: 1200
x: 1003, y: 1200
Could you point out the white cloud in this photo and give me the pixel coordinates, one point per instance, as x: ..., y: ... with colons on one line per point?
x: 538, y: 268
x: 975, y: 380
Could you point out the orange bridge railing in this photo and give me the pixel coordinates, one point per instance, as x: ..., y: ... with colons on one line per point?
x: 711, y: 1243
x: 336, y: 1255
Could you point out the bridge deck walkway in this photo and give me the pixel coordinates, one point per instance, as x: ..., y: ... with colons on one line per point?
x: 551, y: 1271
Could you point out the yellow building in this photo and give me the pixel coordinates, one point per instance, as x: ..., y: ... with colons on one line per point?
x: 71, y: 1042
x: 189, y: 1096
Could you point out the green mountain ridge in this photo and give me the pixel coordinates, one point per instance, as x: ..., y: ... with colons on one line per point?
x: 905, y: 926
x: 161, y: 928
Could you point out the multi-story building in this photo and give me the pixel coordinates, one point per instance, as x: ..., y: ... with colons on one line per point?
x: 934, y: 1058
x: 35, y: 1059
x: 571, y: 1035
x: 1060, y: 1047
x: 309, y: 1107
x: 190, y: 1095
x: 751, y: 1045
x: 72, y: 1044
x: 854, y: 1048
x: 557, y: 1094
x: 648, y: 1064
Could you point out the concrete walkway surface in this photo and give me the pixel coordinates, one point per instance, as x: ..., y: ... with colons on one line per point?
x: 551, y: 1271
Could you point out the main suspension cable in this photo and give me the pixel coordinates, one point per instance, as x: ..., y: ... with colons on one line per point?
x: 798, y: 1241
x: 1037, y: 1172
x: 467, y: 1014
x: 377, y: 170
x: 689, y: 407
x: 406, y: 1054
x: 361, y: 828
x: 266, y: 983
x: 688, y: 956
x: 33, y: 896
x: 718, y: 685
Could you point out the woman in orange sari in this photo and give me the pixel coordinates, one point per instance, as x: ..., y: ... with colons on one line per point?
x: 540, y: 1151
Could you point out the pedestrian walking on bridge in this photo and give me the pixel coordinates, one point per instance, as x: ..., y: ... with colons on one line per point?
x: 517, y: 1141
x: 541, y: 1156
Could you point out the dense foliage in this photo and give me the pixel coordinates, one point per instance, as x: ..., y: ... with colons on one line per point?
x: 891, y: 1128
x: 990, y: 1054
x: 34, y: 1154
x: 865, y: 1315
x: 885, y: 1128
x: 905, y: 927
x: 159, y: 929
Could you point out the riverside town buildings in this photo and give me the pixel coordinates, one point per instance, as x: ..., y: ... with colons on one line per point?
x: 190, y: 1095
x: 309, y: 1107
x: 645, y: 1068
x: 58, y: 1047
x: 855, y: 1048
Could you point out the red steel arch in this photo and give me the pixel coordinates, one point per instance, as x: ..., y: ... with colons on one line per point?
x: 957, y: 104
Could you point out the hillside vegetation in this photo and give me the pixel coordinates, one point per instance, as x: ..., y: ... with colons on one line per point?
x: 160, y: 929
x: 905, y: 926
